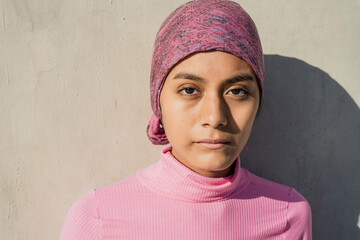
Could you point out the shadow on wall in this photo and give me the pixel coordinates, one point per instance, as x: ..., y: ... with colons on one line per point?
x: 308, y: 136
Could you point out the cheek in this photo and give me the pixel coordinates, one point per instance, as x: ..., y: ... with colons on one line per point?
x: 171, y: 114
x: 177, y: 110
x: 245, y: 116
x: 178, y: 120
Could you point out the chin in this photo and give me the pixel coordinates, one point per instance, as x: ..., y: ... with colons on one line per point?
x: 216, y: 164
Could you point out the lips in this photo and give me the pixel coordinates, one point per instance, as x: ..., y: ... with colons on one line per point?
x: 213, y: 143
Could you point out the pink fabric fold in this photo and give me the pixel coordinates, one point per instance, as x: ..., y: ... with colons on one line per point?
x: 156, y: 132
x: 172, y: 179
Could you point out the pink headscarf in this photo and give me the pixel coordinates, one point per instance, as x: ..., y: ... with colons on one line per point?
x: 198, y: 26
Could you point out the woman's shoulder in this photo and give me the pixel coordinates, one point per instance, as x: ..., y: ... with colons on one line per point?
x: 297, y: 208
x: 83, y: 220
x: 108, y: 195
x: 267, y: 187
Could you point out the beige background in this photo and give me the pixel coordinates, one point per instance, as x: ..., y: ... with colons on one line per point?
x: 74, y: 91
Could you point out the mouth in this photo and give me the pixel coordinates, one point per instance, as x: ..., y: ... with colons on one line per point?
x: 213, y: 144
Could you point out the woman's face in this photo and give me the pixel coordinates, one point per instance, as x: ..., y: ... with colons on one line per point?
x: 208, y: 103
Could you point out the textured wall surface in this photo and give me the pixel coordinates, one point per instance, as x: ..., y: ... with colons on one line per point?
x: 74, y: 105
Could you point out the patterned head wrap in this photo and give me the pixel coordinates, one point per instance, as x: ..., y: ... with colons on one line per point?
x: 198, y: 26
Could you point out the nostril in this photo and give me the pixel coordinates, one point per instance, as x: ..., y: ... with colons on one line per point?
x: 214, y: 119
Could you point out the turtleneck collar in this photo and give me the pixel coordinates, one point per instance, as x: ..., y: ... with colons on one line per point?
x: 171, y: 178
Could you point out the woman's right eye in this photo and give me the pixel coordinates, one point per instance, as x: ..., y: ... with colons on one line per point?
x: 188, y: 91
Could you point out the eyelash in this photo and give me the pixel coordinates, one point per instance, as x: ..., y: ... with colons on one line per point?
x: 183, y: 91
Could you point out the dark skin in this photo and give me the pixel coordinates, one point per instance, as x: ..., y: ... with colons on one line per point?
x: 209, y: 102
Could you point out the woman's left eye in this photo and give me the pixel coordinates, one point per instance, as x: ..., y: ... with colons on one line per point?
x: 238, y: 91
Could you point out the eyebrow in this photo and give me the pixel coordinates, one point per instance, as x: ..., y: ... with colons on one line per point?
x: 235, y: 79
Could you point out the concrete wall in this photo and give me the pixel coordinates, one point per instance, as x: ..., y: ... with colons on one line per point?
x: 74, y: 105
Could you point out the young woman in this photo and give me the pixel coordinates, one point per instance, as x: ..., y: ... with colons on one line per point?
x: 206, y: 90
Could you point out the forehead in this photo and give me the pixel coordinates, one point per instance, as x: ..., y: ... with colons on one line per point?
x: 212, y: 64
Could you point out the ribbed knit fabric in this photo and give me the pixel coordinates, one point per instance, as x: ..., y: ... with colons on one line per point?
x: 169, y: 201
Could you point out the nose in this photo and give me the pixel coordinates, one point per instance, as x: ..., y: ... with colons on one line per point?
x: 213, y: 111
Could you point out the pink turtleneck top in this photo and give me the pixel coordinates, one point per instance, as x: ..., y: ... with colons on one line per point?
x: 169, y: 201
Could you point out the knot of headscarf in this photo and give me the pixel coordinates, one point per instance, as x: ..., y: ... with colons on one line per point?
x: 156, y: 132
x: 198, y: 26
